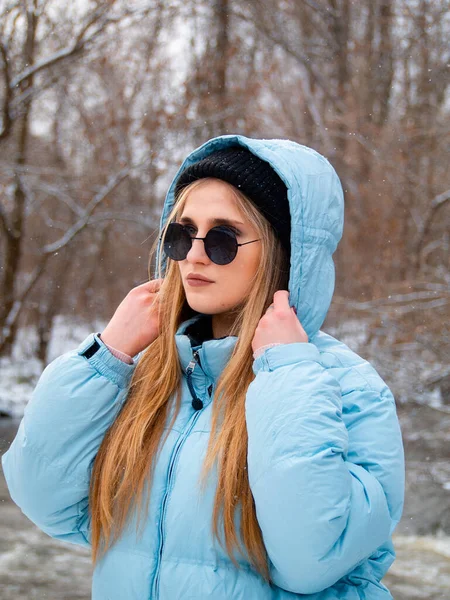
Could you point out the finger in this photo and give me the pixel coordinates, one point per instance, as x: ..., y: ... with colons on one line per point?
x: 281, y: 300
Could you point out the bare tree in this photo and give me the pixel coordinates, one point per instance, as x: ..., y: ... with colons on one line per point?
x: 364, y: 83
x: 33, y: 65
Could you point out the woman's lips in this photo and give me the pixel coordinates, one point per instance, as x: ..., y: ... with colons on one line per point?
x: 198, y: 282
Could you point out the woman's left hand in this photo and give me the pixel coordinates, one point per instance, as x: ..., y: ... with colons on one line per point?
x: 279, y: 324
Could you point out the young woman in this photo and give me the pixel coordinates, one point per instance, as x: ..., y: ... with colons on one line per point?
x: 268, y: 454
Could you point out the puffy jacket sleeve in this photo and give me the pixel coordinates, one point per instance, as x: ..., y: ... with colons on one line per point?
x: 324, y: 502
x: 47, y: 467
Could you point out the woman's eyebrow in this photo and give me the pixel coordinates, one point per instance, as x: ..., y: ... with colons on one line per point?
x: 213, y: 221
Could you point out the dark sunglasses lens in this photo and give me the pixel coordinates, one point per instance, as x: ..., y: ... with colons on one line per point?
x: 177, y: 242
x: 221, y: 245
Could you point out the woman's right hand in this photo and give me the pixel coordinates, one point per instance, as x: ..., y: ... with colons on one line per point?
x: 136, y: 322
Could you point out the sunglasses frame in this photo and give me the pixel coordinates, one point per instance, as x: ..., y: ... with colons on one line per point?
x: 204, y: 238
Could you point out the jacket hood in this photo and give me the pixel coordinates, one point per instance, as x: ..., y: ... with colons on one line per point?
x: 316, y: 204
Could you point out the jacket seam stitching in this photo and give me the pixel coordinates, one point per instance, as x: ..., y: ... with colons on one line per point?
x: 49, y: 462
x: 107, y: 372
x: 355, y: 366
x: 284, y: 458
x: 146, y: 555
x: 219, y: 565
x: 49, y: 465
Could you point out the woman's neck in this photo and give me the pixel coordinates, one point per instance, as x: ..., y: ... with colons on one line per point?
x: 222, y: 324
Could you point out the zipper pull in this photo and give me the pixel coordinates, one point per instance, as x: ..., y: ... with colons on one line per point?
x: 197, y: 358
x: 197, y: 404
x: 190, y: 367
x: 194, y: 360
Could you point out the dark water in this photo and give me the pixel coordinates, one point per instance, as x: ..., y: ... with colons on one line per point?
x: 33, y: 566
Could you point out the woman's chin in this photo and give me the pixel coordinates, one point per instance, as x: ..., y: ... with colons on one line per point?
x: 201, y: 307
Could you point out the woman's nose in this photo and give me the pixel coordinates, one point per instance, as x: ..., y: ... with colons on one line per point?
x: 197, y: 252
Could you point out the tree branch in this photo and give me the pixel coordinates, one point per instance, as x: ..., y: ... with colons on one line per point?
x: 112, y: 183
x: 98, y: 17
x: 436, y: 203
x: 440, y: 199
x: 146, y: 222
x: 300, y: 57
x: 4, y: 222
x: 6, y: 117
x: 19, y: 303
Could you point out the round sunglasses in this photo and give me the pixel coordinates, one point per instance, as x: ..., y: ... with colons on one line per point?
x: 220, y: 243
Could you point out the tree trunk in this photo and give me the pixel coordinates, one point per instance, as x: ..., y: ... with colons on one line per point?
x: 14, y: 240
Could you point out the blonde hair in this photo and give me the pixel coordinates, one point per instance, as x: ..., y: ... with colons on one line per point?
x: 128, y: 453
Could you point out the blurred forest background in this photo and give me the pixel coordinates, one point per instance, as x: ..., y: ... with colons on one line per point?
x: 100, y: 102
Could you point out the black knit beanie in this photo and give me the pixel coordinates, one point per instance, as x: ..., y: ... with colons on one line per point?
x: 252, y: 176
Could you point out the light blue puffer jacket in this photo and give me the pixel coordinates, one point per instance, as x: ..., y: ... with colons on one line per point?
x: 325, y: 454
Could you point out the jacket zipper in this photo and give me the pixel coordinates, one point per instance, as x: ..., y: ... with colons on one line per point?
x: 196, y: 402
x: 188, y: 428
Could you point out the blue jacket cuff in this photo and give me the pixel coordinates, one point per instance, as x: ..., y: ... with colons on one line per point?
x: 105, y: 362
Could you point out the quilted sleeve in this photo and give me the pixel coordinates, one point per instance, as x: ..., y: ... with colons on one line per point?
x: 320, y: 513
x: 47, y: 467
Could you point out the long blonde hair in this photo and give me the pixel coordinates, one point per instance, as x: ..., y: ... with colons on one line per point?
x: 128, y: 453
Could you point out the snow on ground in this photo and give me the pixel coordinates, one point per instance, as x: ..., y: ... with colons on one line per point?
x: 405, y: 370
x: 408, y: 369
x: 20, y: 373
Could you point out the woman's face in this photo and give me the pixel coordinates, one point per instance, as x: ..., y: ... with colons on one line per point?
x: 213, y: 200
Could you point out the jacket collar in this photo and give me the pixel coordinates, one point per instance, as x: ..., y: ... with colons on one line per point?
x: 196, y: 333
